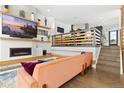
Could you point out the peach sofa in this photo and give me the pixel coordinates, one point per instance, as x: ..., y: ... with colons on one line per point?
x: 55, y: 73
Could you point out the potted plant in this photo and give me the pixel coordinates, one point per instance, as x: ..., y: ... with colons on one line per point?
x: 48, y: 37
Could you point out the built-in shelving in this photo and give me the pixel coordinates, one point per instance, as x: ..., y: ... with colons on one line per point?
x: 18, y: 17
x: 79, y: 38
x: 25, y: 39
x: 22, y: 39
x: 45, y: 27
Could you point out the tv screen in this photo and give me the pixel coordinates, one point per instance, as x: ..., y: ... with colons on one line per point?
x: 60, y: 30
x: 17, y: 27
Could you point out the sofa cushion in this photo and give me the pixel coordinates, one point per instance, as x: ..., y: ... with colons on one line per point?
x: 46, y: 60
x: 29, y: 66
x: 83, y: 52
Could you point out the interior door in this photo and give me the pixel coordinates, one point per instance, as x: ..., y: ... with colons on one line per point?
x: 113, y: 37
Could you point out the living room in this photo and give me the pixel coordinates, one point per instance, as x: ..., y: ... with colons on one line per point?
x: 44, y: 34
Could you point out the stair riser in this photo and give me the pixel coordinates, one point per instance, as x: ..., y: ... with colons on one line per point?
x: 109, y: 69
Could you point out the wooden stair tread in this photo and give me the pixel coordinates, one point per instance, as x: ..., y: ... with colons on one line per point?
x: 108, y: 68
x: 109, y: 59
x: 113, y: 51
x: 109, y: 55
x: 114, y: 64
x: 111, y: 47
x: 114, y: 60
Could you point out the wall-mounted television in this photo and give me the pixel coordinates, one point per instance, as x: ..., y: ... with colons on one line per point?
x: 18, y: 27
x: 60, y: 29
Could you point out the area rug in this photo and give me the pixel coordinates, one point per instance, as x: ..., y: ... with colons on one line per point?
x: 8, y: 79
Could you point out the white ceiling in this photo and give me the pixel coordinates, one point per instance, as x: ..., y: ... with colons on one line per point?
x: 79, y: 14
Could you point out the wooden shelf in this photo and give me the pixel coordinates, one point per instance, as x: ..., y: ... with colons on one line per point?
x: 22, y: 39
x: 27, y: 20
x: 15, y: 61
x: 45, y: 27
x: 18, y: 17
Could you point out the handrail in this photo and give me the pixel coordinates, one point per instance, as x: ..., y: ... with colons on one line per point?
x: 78, y: 38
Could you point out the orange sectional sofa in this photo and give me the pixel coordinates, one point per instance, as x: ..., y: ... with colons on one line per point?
x: 55, y: 73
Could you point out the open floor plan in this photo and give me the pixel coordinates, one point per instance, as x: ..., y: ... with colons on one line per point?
x: 61, y: 46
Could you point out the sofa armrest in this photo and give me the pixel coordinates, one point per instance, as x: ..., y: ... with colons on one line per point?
x: 24, y: 80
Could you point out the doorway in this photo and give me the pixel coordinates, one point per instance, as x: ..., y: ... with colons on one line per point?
x: 113, y: 38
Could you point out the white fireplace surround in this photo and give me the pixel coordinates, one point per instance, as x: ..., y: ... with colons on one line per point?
x: 37, y: 48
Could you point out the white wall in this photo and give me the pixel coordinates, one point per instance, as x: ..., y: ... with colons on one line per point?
x: 107, y: 28
x: 7, y: 44
x: 0, y: 32
x: 67, y: 27
x: 37, y: 47
x: 14, y: 9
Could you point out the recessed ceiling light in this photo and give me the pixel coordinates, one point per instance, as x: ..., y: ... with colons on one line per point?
x: 101, y: 18
x: 75, y: 17
x: 48, y: 10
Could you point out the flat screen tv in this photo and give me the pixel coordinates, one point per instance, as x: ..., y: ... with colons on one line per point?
x: 18, y: 27
x: 60, y: 30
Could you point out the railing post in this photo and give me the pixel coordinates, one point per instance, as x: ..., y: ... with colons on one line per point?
x: 61, y: 40
x: 94, y: 37
x: 52, y: 40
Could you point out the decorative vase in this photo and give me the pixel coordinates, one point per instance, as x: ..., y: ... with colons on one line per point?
x: 32, y: 16
x: 72, y: 26
x: 6, y: 9
x: 39, y: 22
x: 45, y: 21
x: 22, y: 13
x: 48, y: 37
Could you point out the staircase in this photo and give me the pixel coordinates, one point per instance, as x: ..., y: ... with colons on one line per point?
x: 109, y: 59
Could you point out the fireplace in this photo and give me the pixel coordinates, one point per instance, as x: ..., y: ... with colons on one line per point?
x: 20, y: 52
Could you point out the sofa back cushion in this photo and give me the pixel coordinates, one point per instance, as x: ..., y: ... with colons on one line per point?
x: 57, y: 72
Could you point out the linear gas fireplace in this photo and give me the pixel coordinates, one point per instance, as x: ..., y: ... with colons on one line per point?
x: 20, y: 52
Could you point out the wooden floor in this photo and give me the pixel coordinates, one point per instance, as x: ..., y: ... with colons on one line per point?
x: 106, y: 74
x: 95, y: 79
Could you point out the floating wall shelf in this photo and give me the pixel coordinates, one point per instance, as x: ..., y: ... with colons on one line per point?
x: 44, y: 27
x: 22, y: 39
